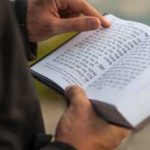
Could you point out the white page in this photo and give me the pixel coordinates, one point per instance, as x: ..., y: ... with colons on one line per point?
x: 125, y: 78
x: 137, y: 107
x: 136, y: 96
x: 90, y: 54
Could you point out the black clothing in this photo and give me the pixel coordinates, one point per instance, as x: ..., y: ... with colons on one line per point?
x: 21, y: 124
x: 20, y: 7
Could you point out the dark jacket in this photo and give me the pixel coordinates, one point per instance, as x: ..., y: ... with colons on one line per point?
x: 21, y: 124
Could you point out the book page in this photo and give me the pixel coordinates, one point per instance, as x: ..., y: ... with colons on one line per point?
x: 125, y: 78
x: 89, y: 55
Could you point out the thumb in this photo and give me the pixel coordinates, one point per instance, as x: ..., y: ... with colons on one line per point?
x: 79, y: 24
x: 76, y: 97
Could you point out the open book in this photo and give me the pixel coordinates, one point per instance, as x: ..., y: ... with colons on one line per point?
x: 112, y: 65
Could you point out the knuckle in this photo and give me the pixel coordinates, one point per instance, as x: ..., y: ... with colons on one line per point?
x: 71, y: 91
x: 81, y: 1
x: 125, y: 133
x: 114, y: 143
x: 118, y: 140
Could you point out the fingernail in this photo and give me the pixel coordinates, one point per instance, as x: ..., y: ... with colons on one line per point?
x: 67, y: 88
x: 95, y: 23
x: 107, y: 22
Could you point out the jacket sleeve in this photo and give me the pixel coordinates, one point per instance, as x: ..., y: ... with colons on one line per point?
x: 58, y: 146
x: 21, y: 123
x: 20, y: 7
x: 42, y: 142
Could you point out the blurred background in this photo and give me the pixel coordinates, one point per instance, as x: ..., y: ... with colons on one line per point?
x: 53, y: 105
x: 137, y: 10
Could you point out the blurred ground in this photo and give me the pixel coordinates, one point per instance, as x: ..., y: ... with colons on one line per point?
x: 53, y: 105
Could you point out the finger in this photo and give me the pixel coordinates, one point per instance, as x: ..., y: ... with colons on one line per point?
x: 89, y: 10
x: 76, y: 96
x: 116, y: 135
x: 124, y: 132
x: 84, y: 7
x: 78, y: 24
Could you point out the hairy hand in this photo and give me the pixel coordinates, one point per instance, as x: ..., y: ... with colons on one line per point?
x: 46, y: 18
x: 82, y: 128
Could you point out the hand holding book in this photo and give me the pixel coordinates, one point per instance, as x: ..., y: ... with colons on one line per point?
x: 81, y: 127
x: 112, y: 65
x: 52, y: 17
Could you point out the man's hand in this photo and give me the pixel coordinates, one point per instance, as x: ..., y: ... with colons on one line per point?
x: 46, y: 18
x: 82, y: 128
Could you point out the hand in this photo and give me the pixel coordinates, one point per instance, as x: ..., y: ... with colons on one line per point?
x: 46, y: 18
x: 83, y: 129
